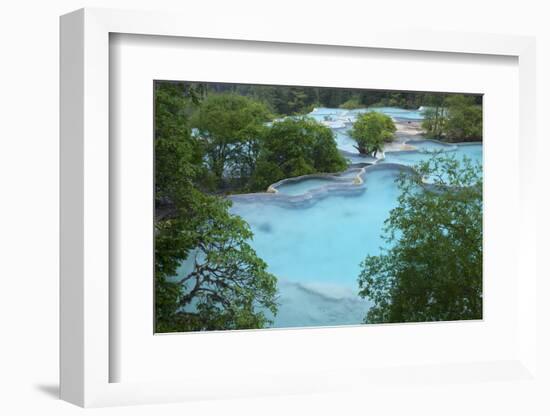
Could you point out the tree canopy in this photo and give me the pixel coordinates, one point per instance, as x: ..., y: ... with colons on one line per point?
x: 453, y: 118
x: 352, y: 103
x: 433, y: 270
x: 295, y: 147
x: 371, y: 130
x: 297, y: 100
x: 226, y: 285
x: 464, y: 119
x: 229, y: 127
x: 434, y: 116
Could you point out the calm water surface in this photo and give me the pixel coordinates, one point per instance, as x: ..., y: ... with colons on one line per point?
x: 315, y: 249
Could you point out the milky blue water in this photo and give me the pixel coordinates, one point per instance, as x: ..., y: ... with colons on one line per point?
x: 340, y: 121
x: 432, y: 145
x: 315, y: 248
x: 350, y: 173
x: 411, y: 158
x: 344, y: 140
x: 300, y: 187
x: 314, y: 233
x: 316, y: 251
x: 347, y: 116
x: 396, y: 113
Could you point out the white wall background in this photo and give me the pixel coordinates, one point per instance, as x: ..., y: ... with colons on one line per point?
x: 29, y: 204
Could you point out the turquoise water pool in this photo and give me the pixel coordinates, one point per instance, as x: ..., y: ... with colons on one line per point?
x: 410, y: 158
x: 340, y: 121
x: 347, y: 116
x: 313, y: 237
x: 314, y: 233
x: 315, y: 251
x: 303, y: 186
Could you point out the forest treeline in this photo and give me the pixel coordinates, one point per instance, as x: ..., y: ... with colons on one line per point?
x: 290, y: 100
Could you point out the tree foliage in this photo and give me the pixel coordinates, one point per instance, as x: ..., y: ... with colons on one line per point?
x: 464, y: 119
x: 230, y: 127
x: 296, y: 100
x: 434, y: 116
x: 433, y: 270
x: 352, y: 103
x: 453, y: 118
x: 177, y: 156
x: 295, y: 147
x: 371, y: 130
x: 230, y: 288
x: 225, y: 284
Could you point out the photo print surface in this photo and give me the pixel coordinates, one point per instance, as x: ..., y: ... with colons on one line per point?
x: 290, y: 206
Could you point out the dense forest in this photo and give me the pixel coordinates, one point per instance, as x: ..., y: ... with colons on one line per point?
x: 228, y: 286
x: 289, y: 100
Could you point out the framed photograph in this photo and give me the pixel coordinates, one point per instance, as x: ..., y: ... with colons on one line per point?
x: 292, y: 207
x: 274, y: 213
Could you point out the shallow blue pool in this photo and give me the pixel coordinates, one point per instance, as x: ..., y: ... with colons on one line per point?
x: 315, y: 248
x: 432, y: 145
x: 303, y: 186
x: 344, y: 140
x: 341, y: 121
x: 396, y: 113
x: 313, y: 234
x: 348, y: 116
x: 410, y: 158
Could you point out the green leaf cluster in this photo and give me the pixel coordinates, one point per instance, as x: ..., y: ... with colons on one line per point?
x: 227, y: 286
x: 230, y: 127
x: 244, y: 152
x: 295, y: 100
x: 352, y: 103
x: 464, y: 119
x: 433, y: 270
x: 370, y: 131
x: 455, y: 118
x: 295, y: 147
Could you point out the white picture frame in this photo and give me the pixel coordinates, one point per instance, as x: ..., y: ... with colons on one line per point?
x: 86, y: 356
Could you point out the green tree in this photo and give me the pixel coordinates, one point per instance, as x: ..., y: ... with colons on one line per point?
x: 298, y: 101
x: 226, y: 285
x: 352, y: 103
x: 295, y: 147
x: 434, y: 115
x: 453, y: 117
x: 229, y: 127
x: 178, y: 157
x: 371, y: 130
x: 433, y: 270
x: 464, y: 118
